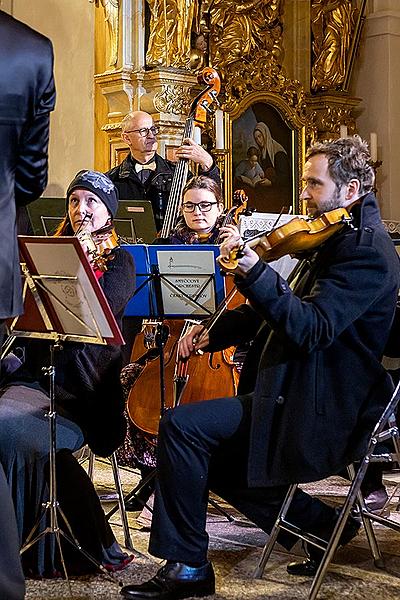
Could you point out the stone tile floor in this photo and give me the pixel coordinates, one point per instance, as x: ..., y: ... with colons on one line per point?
x: 235, y: 550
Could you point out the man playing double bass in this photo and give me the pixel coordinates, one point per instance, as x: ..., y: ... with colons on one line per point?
x: 144, y: 174
x: 319, y: 390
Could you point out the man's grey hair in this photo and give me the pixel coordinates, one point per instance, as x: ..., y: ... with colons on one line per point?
x: 348, y: 158
x: 126, y: 121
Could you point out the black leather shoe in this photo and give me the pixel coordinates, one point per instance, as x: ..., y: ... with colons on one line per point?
x: 309, y: 566
x: 174, y: 581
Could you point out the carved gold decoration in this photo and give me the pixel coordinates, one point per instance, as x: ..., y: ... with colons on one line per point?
x: 242, y: 30
x: 170, y: 32
x: 111, y: 13
x: 325, y: 115
x: 173, y: 99
x: 332, y: 25
x: 246, y: 47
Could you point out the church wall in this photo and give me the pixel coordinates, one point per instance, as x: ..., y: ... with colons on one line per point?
x: 376, y: 79
x: 70, y: 26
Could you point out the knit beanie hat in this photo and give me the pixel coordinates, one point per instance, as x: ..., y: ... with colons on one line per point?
x: 99, y: 184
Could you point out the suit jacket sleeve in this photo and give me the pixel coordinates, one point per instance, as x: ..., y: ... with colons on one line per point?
x: 31, y: 171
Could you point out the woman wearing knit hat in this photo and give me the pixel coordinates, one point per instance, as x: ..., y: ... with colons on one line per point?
x: 89, y: 404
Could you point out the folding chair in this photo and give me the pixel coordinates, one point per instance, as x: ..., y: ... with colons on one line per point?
x: 385, y: 429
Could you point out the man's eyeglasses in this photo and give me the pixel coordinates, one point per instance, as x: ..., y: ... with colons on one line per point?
x: 144, y: 131
x: 190, y: 207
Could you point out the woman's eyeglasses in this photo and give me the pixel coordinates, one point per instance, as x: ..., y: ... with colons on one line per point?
x: 190, y: 207
x: 144, y: 131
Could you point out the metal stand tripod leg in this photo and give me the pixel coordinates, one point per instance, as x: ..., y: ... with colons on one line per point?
x: 52, y: 506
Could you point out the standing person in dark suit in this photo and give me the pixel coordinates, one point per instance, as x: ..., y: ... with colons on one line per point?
x: 319, y: 377
x: 27, y: 97
x: 144, y: 174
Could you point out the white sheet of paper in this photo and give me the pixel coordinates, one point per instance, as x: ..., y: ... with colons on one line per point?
x: 76, y: 295
x: 189, y: 271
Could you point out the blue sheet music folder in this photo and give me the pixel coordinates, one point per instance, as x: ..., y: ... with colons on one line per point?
x: 176, y: 281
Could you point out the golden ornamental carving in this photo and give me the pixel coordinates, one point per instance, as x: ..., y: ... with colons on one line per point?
x: 241, y: 31
x: 174, y: 99
x: 246, y: 48
x: 261, y: 76
x: 171, y: 24
x: 111, y: 15
x: 332, y: 26
x: 324, y: 122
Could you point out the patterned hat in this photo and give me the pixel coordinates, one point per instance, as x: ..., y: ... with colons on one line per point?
x: 99, y: 184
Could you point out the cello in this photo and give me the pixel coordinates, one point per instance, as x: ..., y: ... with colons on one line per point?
x: 215, y: 374
x: 144, y: 406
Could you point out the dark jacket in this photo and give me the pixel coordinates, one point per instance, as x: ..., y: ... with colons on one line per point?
x: 27, y: 95
x: 320, y: 385
x: 157, y: 187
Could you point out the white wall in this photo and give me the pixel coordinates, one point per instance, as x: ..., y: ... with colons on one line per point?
x: 70, y: 26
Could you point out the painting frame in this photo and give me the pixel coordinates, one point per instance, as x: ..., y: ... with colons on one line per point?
x: 256, y: 107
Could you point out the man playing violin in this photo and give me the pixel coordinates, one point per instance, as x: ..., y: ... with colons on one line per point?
x: 144, y: 174
x: 319, y: 383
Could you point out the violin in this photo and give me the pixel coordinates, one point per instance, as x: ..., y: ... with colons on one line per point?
x: 99, y: 245
x: 239, y: 206
x: 295, y: 237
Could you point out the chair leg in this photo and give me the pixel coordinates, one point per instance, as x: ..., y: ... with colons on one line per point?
x: 121, y: 503
x: 266, y: 553
x: 338, y: 529
x: 90, y: 470
x: 369, y: 530
x: 221, y: 510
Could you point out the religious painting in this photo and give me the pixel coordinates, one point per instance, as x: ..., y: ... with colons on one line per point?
x: 262, y: 158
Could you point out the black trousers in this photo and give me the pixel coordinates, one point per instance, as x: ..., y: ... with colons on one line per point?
x: 204, y: 446
x: 12, y: 581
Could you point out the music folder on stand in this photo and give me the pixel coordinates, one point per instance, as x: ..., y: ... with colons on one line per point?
x: 63, y: 302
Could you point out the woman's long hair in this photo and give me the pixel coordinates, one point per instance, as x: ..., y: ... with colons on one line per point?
x: 64, y: 228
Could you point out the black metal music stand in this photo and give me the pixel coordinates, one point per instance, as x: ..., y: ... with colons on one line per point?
x: 62, y: 304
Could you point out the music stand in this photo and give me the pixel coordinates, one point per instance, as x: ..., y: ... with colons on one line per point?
x: 134, y: 221
x: 46, y: 214
x: 63, y: 302
x: 173, y: 281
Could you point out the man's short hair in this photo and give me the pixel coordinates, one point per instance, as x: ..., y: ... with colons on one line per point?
x: 348, y: 158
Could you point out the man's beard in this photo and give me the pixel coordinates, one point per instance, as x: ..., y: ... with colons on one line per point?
x: 329, y: 204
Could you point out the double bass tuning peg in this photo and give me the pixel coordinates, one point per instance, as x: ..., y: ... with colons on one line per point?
x: 204, y: 104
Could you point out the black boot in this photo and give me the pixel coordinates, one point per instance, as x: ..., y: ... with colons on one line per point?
x: 174, y: 581
x: 309, y: 566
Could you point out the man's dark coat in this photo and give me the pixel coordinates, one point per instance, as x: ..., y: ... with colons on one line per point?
x: 320, y: 385
x: 27, y: 96
x: 156, y: 188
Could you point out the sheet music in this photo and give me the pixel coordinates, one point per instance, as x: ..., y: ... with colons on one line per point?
x: 185, y: 276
